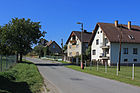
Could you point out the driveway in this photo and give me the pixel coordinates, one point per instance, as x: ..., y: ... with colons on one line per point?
x: 70, y: 81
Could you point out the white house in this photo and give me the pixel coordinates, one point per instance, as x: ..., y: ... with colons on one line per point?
x: 74, y: 43
x: 105, y: 43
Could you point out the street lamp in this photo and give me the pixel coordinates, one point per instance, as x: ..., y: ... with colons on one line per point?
x: 82, y: 66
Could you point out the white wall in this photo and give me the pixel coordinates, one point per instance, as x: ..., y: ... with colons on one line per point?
x: 74, y: 48
x: 97, y: 47
x: 130, y: 56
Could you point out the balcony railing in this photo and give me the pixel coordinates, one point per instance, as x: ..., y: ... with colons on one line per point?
x: 104, y: 45
x: 104, y: 56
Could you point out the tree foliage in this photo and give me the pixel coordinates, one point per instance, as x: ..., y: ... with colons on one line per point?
x: 65, y: 47
x: 41, y: 50
x: 21, y: 34
x: 88, y: 53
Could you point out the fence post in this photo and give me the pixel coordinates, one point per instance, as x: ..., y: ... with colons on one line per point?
x: 105, y: 67
x: 85, y: 63
x: 133, y: 72
x: 6, y: 62
x: 117, y: 69
x: 77, y: 61
x: 15, y: 59
x: 90, y: 64
x: 97, y: 65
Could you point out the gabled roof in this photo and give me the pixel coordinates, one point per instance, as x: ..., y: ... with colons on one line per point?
x: 51, y: 42
x: 113, y: 33
x: 86, y: 36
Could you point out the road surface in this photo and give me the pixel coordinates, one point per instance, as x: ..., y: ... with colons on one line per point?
x: 70, y: 81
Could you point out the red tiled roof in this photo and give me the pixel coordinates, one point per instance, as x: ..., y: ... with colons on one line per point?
x: 86, y: 36
x: 113, y: 33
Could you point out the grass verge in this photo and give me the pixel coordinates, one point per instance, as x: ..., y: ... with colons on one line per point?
x: 63, y: 62
x: 22, y: 78
x: 109, y: 75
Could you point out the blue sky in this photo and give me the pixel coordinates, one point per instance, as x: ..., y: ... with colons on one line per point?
x: 59, y: 17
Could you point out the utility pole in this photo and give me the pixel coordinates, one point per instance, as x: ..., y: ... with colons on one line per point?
x: 62, y: 48
x: 120, y: 47
x: 82, y: 64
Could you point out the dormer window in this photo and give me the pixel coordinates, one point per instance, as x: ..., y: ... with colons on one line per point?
x: 131, y: 37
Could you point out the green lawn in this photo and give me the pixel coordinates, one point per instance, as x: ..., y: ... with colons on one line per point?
x: 125, y: 75
x: 22, y: 78
x: 63, y: 62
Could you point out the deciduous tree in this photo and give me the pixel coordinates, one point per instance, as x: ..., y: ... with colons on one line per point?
x: 21, y: 34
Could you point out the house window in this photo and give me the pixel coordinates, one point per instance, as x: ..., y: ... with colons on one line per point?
x: 135, y: 60
x: 106, y: 40
x: 53, y: 46
x: 70, y: 46
x: 94, y: 52
x: 125, y: 60
x: 135, y: 51
x: 77, y: 53
x: 107, y: 51
x: 97, y: 42
x: 131, y: 37
x: 125, y: 50
x: 77, y: 45
x: 86, y: 45
x: 70, y: 53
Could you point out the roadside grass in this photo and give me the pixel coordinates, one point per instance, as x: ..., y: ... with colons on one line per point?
x: 125, y: 75
x: 22, y: 78
x: 63, y: 62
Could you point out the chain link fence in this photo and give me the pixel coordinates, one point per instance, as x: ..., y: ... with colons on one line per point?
x: 6, y: 62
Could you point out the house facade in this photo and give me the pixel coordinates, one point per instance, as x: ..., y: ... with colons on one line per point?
x: 53, y: 48
x: 106, y: 39
x: 74, y: 43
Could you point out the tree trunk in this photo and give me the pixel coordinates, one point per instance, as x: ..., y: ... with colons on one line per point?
x: 20, y: 57
x: 17, y: 57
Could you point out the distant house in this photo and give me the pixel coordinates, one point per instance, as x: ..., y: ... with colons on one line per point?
x: 43, y: 42
x: 53, y: 47
x: 74, y: 43
x: 105, y: 43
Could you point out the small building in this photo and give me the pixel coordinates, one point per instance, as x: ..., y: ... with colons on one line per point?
x: 105, y: 43
x: 53, y: 48
x: 74, y: 43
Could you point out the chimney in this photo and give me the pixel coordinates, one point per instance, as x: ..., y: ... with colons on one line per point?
x: 116, y: 23
x: 129, y: 25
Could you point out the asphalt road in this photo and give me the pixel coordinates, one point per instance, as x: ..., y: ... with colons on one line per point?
x: 71, y: 81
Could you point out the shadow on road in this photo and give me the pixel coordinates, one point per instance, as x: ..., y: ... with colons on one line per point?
x: 53, y: 64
